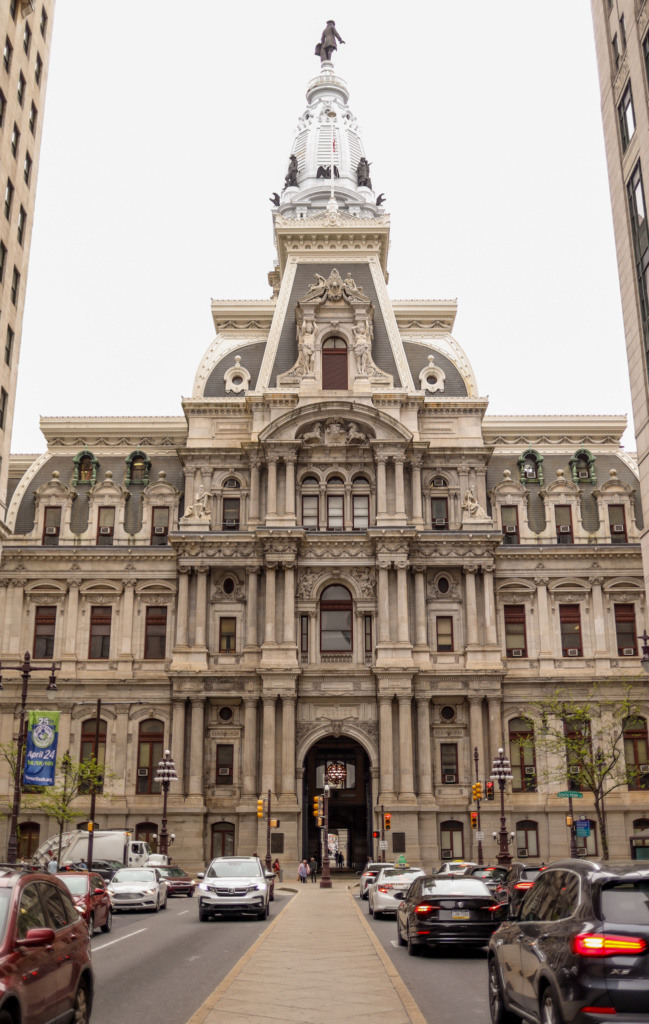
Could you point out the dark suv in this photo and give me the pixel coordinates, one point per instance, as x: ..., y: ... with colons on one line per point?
x: 513, y: 889
x: 45, y: 969
x: 578, y: 951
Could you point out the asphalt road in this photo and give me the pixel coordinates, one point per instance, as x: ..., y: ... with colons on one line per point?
x: 154, y: 968
x: 448, y: 984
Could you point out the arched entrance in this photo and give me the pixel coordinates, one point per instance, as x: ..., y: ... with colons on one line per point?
x: 349, y: 806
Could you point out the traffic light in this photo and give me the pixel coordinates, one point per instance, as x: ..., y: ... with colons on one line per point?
x: 260, y: 808
x: 90, y: 826
x: 490, y: 790
x: 387, y: 821
x: 477, y: 790
x: 474, y: 819
x: 274, y: 822
x: 376, y: 835
x: 568, y: 821
x: 316, y: 806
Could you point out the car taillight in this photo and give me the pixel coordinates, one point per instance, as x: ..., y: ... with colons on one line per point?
x: 589, y: 944
x: 384, y: 888
x: 424, y: 909
x: 524, y: 885
x: 496, y: 906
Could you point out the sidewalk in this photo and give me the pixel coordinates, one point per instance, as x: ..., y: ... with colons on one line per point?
x: 319, y: 960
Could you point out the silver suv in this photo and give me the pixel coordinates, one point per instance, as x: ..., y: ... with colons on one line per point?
x: 234, y: 885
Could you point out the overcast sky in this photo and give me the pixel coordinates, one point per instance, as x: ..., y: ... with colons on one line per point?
x: 168, y: 125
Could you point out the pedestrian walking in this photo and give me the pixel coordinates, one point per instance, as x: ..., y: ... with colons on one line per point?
x: 313, y: 868
x: 303, y: 871
x: 52, y: 864
x: 340, y: 859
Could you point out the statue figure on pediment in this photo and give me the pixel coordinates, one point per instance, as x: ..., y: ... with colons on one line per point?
x: 335, y: 433
x: 306, y: 340
x: 201, y: 509
x: 354, y: 435
x: 335, y: 286
x: 354, y: 291
x: 363, y: 179
x: 290, y: 181
x: 317, y: 291
x: 313, y: 435
x: 471, y: 506
x: 362, y: 347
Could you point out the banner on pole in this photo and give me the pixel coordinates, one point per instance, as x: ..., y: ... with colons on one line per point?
x: 40, y: 751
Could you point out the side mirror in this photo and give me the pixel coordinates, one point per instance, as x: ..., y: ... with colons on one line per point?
x: 36, y: 937
x: 98, y: 891
x: 269, y: 874
x: 201, y: 874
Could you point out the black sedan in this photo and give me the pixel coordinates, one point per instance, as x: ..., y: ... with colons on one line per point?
x: 578, y: 952
x: 439, y: 910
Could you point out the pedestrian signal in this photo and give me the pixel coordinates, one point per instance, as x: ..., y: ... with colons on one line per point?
x: 489, y: 787
x: 376, y: 835
x: 320, y: 822
x: 90, y: 826
x: 474, y: 819
x: 260, y: 808
x: 387, y: 821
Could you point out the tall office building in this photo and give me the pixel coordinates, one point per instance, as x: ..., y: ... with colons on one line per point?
x: 25, y: 35
x: 622, y: 45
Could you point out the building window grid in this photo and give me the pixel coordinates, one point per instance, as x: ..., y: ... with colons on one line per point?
x: 515, y: 631
x: 509, y: 520
x: 100, y: 629
x: 9, y: 346
x: 451, y: 835
x: 563, y: 523
x: 527, y: 839
x: 304, y: 634
x: 617, y: 524
x: 43, y: 22
x: 231, y: 514
x: 335, y: 511
x: 27, y: 169
x: 444, y: 632
x: 51, y: 525
x: 368, y: 634
x: 155, y: 633
x: 13, y: 8
x: 44, y: 630
x: 22, y: 85
x: 106, y: 525
x: 360, y: 511
x: 9, y: 197
x: 626, y: 118
x: 4, y: 397
x: 38, y: 69
x: 439, y: 513
x: 570, y: 623
x: 227, y: 635
x: 27, y: 39
x: 636, y: 753
x: 310, y: 511
x: 521, y: 756
x: 625, y: 630
x: 336, y: 620
x: 7, y: 54
x: 15, y: 286
x: 449, y: 763
x: 15, y: 140
x: 159, y: 524
x: 637, y: 211
x: 149, y: 754
x: 224, y: 764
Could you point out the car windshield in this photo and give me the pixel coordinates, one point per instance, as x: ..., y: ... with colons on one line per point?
x: 173, y: 873
x: 404, y: 873
x: 233, y: 869
x: 103, y: 865
x: 134, y: 875
x: 374, y: 867
x: 4, y: 910
x: 529, y: 874
x: 489, y: 873
x: 455, y: 887
x: 626, y: 902
x: 77, y: 884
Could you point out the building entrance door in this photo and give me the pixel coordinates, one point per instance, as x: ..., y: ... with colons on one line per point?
x: 349, y: 804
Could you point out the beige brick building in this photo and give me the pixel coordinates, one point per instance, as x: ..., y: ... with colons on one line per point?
x: 334, y: 555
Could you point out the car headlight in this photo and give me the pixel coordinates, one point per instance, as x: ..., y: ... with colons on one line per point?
x: 149, y: 892
x: 202, y: 885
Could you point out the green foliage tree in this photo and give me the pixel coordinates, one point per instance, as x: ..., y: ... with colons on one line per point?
x: 588, y: 734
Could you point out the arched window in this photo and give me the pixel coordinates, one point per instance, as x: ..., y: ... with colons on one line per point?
x: 29, y: 833
x: 138, y: 467
x: 149, y: 753
x: 587, y: 845
x: 144, y: 833
x: 334, y: 365
x: 85, y: 468
x: 527, y: 838
x: 361, y: 503
x: 232, y: 482
x: 636, y: 753
x: 336, y: 617
x: 530, y: 466
x: 521, y: 756
x: 582, y: 467
x: 335, y: 503
x: 451, y: 836
x: 222, y: 839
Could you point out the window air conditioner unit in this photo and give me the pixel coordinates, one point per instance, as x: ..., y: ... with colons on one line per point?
x: 583, y: 474
x: 450, y: 779
x: 447, y: 854
x: 143, y: 772
x: 231, y: 522
x: 574, y: 769
x: 51, y: 531
x: 159, y: 530
x: 564, y: 529
x: 510, y: 529
x: 617, y: 528
x: 573, y: 652
x: 530, y: 770
x: 440, y: 522
x: 105, y: 530
x: 522, y: 851
x: 628, y: 652
x: 644, y: 768
x: 224, y: 771
x: 517, y: 652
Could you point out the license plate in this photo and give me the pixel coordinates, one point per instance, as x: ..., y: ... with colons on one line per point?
x: 460, y: 915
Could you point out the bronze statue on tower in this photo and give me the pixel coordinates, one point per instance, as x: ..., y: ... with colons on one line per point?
x: 328, y: 44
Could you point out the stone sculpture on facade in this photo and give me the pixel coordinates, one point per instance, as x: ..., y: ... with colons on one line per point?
x: 335, y: 433
x: 334, y: 289
x: 313, y: 435
x: 290, y: 181
x: 432, y: 377
x: 363, y: 173
x: 328, y: 44
x: 306, y: 345
x: 362, y: 347
x: 201, y: 509
x: 354, y: 436
x: 472, y: 510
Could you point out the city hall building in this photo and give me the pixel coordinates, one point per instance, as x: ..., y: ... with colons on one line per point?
x: 334, y: 555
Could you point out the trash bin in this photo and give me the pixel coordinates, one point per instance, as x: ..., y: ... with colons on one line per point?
x: 281, y: 874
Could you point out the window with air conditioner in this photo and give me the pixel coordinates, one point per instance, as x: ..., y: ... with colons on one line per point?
x: 574, y: 769
x: 231, y: 508
x: 439, y: 512
x: 51, y: 526
x: 521, y: 755
x: 449, y: 763
x: 583, y: 474
x: 522, y: 851
x: 106, y: 526
x: 563, y: 521
x: 509, y: 517
x: 625, y: 630
x: 617, y: 524
x: 159, y: 524
x: 570, y: 625
x: 515, y: 636
x: 224, y: 764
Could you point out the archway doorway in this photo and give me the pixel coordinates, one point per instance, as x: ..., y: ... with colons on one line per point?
x: 349, y: 806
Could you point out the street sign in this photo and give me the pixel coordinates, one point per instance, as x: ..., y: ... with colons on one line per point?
x: 383, y: 845
x: 571, y: 792
x: 479, y: 836
x: 582, y: 829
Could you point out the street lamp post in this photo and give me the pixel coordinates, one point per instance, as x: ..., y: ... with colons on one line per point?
x: 476, y: 758
x: 501, y: 773
x: 325, y: 877
x: 26, y: 669
x: 165, y: 776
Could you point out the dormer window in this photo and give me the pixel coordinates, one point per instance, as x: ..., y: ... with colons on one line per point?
x: 138, y: 470
x: 85, y: 469
x: 582, y: 466
x: 138, y: 467
x: 106, y: 526
x: 530, y: 467
x: 51, y: 525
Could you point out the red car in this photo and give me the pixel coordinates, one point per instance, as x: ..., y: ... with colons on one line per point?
x: 179, y: 883
x: 91, y: 898
x: 45, y: 969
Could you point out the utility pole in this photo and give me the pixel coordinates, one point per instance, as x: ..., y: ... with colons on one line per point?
x: 93, y: 787
x: 268, y: 860
x: 325, y: 878
x: 477, y: 805
x: 382, y: 835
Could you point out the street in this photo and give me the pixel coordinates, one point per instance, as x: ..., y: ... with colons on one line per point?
x: 161, y: 967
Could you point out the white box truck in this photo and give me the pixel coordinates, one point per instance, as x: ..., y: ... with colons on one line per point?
x: 109, y: 844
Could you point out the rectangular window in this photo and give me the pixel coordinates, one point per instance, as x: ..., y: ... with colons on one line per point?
x: 227, y: 635
x: 7, y: 54
x: 440, y: 513
x: 224, y: 764
x: 563, y: 521
x: 625, y: 630
x: 615, y: 46
x: 22, y: 224
x: 509, y: 516
x: 368, y: 634
x: 13, y: 8
x: 33, y: 117
x: 44, y: 626
x: 38, y: 69
x: 106, y: 526
x: 43, y: 22
x: 15, y: 140
x: 335, y: 511
x: 570, y: 619
x: 159, y: 524
x: 22, y: 84
x: 9, y: 346
x: 617, y: 523
x: 448, y: 753
x: 361, y: 511
x: 645, y: 51
x: 9, y: 198
x: 52, y: 526
x: 155, y: 637
x: 27, y: 170
x: 515, y: 639
x: 15, y: 286
x: 3, y: 260
x: 626, y: 117
x: 3, y: 107
x: 623, y: 32
x: 100, y: 621
x: 638, y: 214
x: 231, y: 507
x: 304, y: 634
x: 310, y: 511
x: 27, y: 39
x: 444, y: 633
x: 3, y: 407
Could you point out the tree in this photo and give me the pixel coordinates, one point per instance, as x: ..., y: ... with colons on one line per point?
x: 586, y: 734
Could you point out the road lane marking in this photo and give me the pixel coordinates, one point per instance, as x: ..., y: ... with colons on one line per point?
x: 95, y: 949
x: 182, y: 912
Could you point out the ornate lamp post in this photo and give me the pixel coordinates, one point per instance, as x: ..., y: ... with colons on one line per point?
x: 501, y: 773
x: 25, y: 668
x: 165, y: 776
x: 325, y: 877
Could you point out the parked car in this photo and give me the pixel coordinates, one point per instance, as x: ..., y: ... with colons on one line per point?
x: 106, y: 868
x: 179, y: 883
x: 389, y: 888
x: 491, y: 876
x: 138, y: 889
x: 513, y: 889
x: 45, y: 968
x: 439, y: 910
x: 369, y: 873
x: 456, y: 867
x: 234, y: 885
x: 157, y: 860
x: 91, y: 898
x: 578, y: 950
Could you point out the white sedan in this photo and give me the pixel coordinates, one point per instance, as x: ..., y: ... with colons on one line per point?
x: 138, y: 889
x: 389, y: 888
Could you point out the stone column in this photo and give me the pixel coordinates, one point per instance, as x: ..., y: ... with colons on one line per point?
x: 196, y: 749
x: 201, y: 572
x: 381, y: 494
x: 403, y: 625
x: 290, y: 458
x: 322, y: 508
x: 385, y: 746
x: 423, y: 747
x: 399, y: 493
x: 190, y: 485
x: 288, y: 748
x: 183, y: 605
x: 598, y: 618
x: 545, y: 637
x: 421, y: 633
x: 251, y: 607
x: 477, y: 736
x: 406, y: 775
x: 271, y: 497
x: 269, y: 631
x: 348, y: 519
x: 126, y: 646
x: 428, y: 511
x: 471, y: 605
x: 415, y: 483
x: 491, y: 632
x: 71, y: 616
x: 253, y: 461
x: 313, y: 635
x: 177, y: 743
x: 250, y: 745
x: 119, y: 762
x: 289, y: 604
x: 384, y: 605
x: 496, y: 738
x: 15, y: 603
x: 268, y: 761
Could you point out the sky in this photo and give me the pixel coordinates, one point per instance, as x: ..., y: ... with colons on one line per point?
x: 167, y: 127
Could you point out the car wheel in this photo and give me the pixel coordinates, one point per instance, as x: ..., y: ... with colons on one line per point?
x: 91, y: 925
x: 263, y: 914
x: 499, y: 1013
x: 400, y: 939
x: 202, y: 915
x: 413, y: 948
x: 156, y: 909
x: 549, y: 1010
x: 190, y: 894
x: 106, y: 927
x: 164, y: 905
x: 81, y: 1012
x: 370, y: 908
